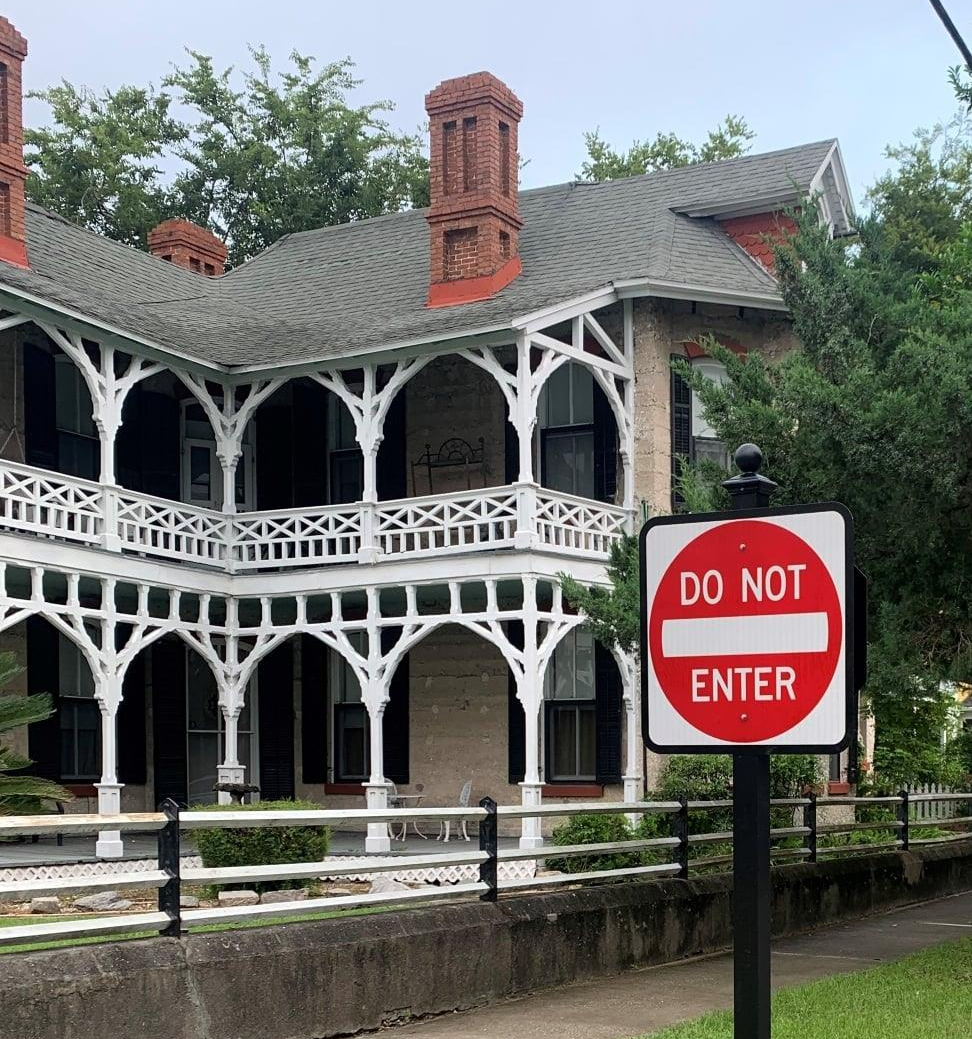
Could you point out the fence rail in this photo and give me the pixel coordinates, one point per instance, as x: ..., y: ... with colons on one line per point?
x: 812, y: 822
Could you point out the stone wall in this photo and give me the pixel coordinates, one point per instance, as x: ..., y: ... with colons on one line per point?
x: 453, y: 398
x: 661, y: 328
x: 340, y: 976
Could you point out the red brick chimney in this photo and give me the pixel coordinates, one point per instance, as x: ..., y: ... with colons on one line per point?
x: 474, y: 219
x: 188, y: 245
x: 13, y: 172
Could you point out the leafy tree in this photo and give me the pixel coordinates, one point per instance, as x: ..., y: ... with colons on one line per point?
x: 875, y: 410
x: 21, y: 794
x: 667, y: 151
x: 256, y: 156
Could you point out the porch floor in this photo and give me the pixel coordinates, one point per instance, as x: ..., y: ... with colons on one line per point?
x: 46, y: 851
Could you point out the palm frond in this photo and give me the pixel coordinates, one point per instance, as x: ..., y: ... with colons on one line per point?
x: 16, y: 711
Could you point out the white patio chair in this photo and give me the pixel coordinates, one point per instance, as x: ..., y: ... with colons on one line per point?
x: 446, y: 826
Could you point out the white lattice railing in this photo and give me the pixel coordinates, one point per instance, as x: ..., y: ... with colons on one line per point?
x: 59, y: 506
x: 577, y: 524
x: 297, y: 537
x: 154, y: 526
x: 447, y: 522
x: 47, y: 503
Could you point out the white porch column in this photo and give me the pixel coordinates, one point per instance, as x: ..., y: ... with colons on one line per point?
x: 529, y: 691
x: 230, y: 770
x: 524, y: 420
x: 108, y: 693
x: 232, y: 686
x: 633, y: 778
x: 107, y: 417
x: 377, y: 788
x: 368, y: 552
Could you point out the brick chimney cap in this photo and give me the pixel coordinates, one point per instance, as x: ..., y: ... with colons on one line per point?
x: 179, y: 231
x: 468, y: 91
x: 11, y: 40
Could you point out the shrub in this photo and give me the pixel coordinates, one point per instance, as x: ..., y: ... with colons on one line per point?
x: 262, y: 845
x: 708, y: 777
x: 597, y: 829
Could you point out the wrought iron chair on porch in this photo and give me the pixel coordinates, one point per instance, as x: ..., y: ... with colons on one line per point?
x: 446, y: 825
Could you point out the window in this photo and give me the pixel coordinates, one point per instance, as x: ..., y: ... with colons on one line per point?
x: 345, y: 463
x: 78, y: 448
x: 79, y: 715
x: 352, y: 758
x: 705, y: 444
x: 571, y: 712
x: 567, y: 432
x: 202, y: 474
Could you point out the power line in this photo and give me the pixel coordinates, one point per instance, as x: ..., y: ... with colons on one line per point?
x: 953, y: 32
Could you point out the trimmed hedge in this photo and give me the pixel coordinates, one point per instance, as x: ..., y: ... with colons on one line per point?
x: 262, y: 845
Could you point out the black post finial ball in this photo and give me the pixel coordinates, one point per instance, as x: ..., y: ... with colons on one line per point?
x: 748, y: 458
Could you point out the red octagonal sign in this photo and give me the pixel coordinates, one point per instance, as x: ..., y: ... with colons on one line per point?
x: 745, y: 630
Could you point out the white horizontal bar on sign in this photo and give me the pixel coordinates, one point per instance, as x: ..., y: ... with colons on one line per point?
x: 23, y: 889
x: 744, y: 636
x: 28, y: 825
x: 83, y: 928
x: 227, y: 914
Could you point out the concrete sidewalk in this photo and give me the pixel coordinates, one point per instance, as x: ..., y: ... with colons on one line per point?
x: 642, y: 1001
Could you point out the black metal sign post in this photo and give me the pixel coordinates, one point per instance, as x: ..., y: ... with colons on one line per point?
x: 751, y: 892
x: 671, y: 620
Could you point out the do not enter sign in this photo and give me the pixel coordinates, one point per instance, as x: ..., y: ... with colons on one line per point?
x: 745, y: 638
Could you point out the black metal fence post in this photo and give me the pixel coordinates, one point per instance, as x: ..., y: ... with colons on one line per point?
x: 751, y: 888
x: 810, y: 822
x: 488, y: 840
x: 169, y: 893
x: 681, y: 829
x: 905, y: 819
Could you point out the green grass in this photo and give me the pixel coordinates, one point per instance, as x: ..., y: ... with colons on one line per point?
x: 926, y: 996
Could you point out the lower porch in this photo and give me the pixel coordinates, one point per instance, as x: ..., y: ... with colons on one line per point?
x: 453, y: 725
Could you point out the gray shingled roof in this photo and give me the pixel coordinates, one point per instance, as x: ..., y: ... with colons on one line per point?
x: 340, y: 290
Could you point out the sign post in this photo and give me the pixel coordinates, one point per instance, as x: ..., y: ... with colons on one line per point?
x: 747, y: 641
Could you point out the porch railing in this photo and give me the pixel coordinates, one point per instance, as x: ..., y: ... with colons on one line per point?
x: 524, y: 516
x: 665, y: 852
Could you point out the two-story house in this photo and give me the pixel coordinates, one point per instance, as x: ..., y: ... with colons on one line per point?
x: 300, y: 523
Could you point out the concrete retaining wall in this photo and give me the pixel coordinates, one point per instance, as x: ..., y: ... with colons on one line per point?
x: 334, y: 977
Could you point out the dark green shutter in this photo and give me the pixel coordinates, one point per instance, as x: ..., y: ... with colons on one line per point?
x: 43, y: 738
x: 275, y: 454
x: 169, y: 719
x: 40, y: 429
x: 395, y: 721
x: 313, y: 710
x: 516, y: 718
x: 131, y: 725
x: 160, y: 438
x: 128, y: 442
x: 607, y: 685
x: 309, y: 444
x: 605, y: 448
x: 276, y: 700
x: 681, y: 410
x: 392, y: 462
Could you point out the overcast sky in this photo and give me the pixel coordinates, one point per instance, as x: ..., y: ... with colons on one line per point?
x: 865, y: 71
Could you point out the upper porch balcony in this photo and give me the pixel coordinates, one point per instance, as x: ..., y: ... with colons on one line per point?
x: 522, y: 516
